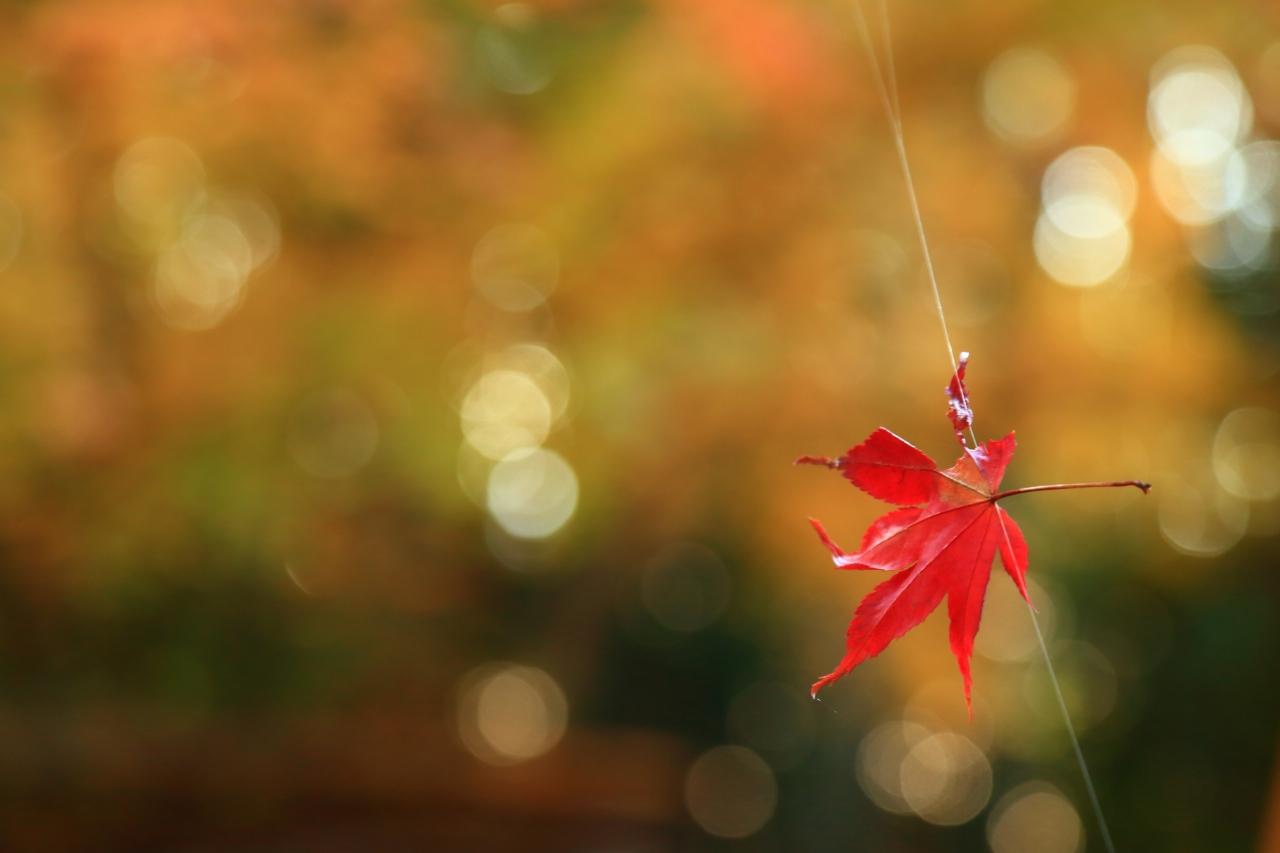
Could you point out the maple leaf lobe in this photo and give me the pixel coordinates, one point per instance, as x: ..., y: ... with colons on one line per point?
x: 888, y: 467
x: 940, y: 542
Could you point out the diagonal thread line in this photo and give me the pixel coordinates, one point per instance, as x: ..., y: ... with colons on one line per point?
x: 895, y: 124
x: 1066, y: 715
x: 887, y: 45
x: 888, y: 93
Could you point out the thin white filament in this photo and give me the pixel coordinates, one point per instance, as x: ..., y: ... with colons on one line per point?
x: 1066, y: 715
x: 888, y: 93
x: 895, y: 123
x: 891, y: 72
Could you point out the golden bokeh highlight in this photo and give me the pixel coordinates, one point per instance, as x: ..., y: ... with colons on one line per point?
x: 515, y: 267
x: 1028, y: 96
x: 509, y: 714
x: 1246, y: 454
x: 730, y: 792
x: 1087, y: 198
x: 1007, y: 635
x: 157, y: 181
x: 532, y: 494
x: 945, y: 779
x: 1035, y: 817
x: 1198, y: 108
x: 1198, y: 517
x: 879, y: 762
x: 942, y: 777
x: 505, y: 412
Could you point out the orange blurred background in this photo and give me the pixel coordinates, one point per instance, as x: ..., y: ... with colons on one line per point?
x: 400, y: 401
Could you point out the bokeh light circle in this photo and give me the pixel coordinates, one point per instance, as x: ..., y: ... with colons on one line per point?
x: 515, y: 266
x: 509, y: 714
x: 1089, y: 179
x: 945, y: 779
x: 1034, y: 817
x: 532, y: 494
x: 1199, y: 517
x: 505, y: 411
x: 730, y: 792
x: 544, y: 368
x: 1246, y: 453
x: 1080, y: 261
x: 1007, y: 635
x: 879, y: 762
x: 1197, y: 108
x: 156, y: 181
x: 1201, y: 193
x: 1027, y: 96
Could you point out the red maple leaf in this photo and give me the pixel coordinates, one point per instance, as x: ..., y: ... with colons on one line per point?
x: 940, y: 542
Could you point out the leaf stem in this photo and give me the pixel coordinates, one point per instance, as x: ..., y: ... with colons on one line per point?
x: 1113, y: 484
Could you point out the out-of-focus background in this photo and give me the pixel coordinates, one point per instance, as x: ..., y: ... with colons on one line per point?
x: 399, y: 401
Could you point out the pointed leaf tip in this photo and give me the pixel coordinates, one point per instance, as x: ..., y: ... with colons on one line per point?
x: 944, y: 548
x: 836, y: 551
x: 1013, y: 553
x: 939, y: 543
